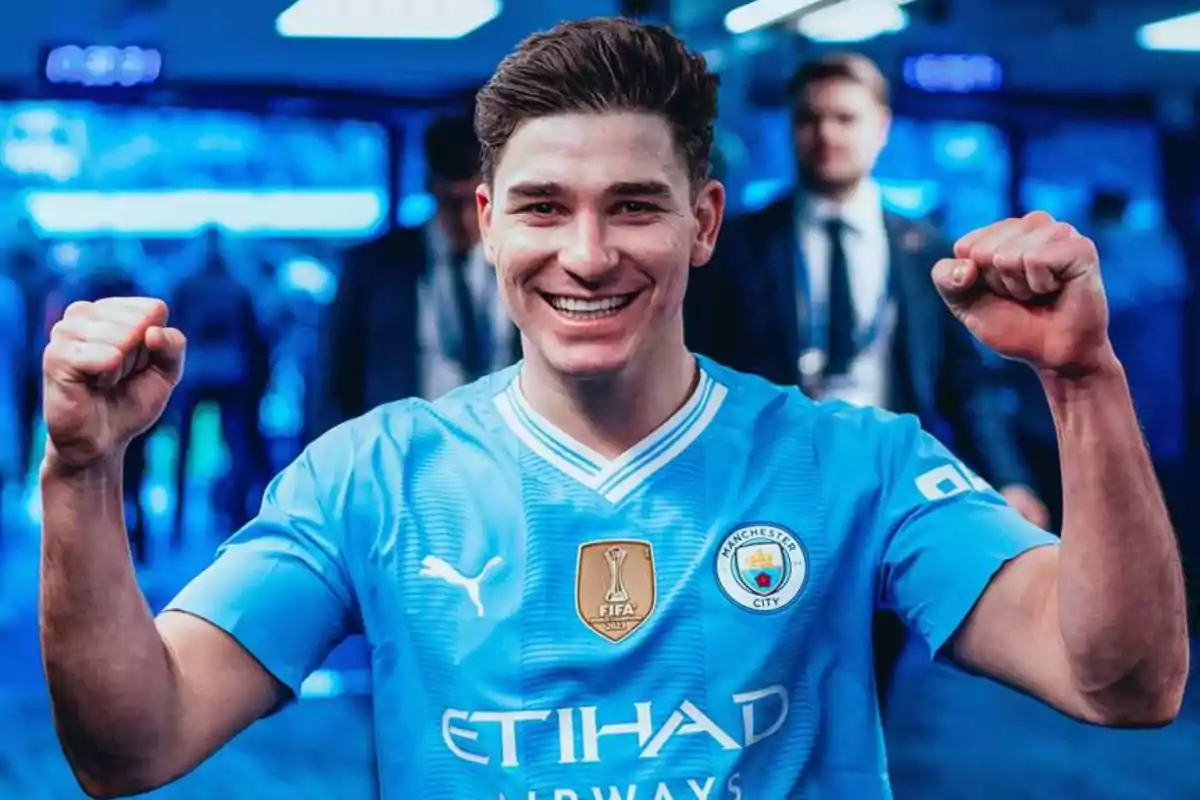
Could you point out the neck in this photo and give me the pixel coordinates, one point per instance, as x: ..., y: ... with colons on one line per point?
x: 613, y: 412
x: 837, y: 193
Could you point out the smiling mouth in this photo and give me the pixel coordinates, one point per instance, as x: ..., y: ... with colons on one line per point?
x: 590, y: 308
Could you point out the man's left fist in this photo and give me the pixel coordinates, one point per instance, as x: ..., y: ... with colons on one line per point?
x: 1030, y: 289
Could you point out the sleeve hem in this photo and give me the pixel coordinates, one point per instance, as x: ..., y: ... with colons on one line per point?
x: 287, y: 679
x: 964, y: 600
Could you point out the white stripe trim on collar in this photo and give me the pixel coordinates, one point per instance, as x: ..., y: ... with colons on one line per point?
x: 614, y: 479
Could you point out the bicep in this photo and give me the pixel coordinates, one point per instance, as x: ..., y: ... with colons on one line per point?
x: 220, y: 690
x: 1013, y: 635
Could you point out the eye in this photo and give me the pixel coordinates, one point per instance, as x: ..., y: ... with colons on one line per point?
x: 637, y: 207
x: 542, y: 209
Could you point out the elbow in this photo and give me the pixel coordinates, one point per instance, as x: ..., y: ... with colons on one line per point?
x: 104, y: 787
x: 1153, y: 713
x: 1138, y: 703
x: 110, y: 782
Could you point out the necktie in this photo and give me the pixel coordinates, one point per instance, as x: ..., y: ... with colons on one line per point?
x: 840, y: 314
x: 470, y: 350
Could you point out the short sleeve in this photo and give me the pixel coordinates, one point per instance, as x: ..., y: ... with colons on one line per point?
x: 280, y: 585
x: 948, y: 533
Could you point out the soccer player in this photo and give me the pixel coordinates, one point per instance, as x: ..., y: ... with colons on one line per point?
x: 614, y: 570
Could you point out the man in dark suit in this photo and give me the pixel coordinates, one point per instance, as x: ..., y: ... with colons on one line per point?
x: 826, y: 289
x: 417, y: 312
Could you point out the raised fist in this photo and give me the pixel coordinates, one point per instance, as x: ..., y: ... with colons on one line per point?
x: 1030, y: 289
x: 108, y: 372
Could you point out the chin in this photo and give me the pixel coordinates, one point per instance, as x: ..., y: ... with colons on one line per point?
x: 590, y: 360
x: 837, y: 180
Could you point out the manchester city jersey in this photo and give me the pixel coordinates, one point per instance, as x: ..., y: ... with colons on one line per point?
x: 689, y: 620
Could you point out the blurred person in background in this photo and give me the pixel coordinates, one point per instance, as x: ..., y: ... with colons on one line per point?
x: 828, y: 289
x: 229, y: 367
x: 107, y: 278
x: 417, y: 311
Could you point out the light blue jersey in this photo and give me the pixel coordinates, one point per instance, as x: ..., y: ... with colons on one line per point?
x: 690, y: 620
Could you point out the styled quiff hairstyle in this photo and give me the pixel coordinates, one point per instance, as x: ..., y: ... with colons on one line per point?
x: 601, y: 65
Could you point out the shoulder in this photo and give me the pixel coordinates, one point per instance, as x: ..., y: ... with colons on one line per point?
x: 857, y: 454
x: 399, y: 246
x: 832, y: 420
x: 776, y: 422
x: 747, y: 238
x: 751, y: 394
x: 467, y: 408
x: 778, y: 214
x: 358, y: 449
x: 869, y: 448
x: 917, y: 235
x: 402, y: 431
x: 398, y: 239
x: 786, y: 405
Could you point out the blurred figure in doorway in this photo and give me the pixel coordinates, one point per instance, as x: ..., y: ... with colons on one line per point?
x: 229, y: 365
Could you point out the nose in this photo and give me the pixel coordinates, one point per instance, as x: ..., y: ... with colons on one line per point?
x: 586, y: 253
x: 827, y: 131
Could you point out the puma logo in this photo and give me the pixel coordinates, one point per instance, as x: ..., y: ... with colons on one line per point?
x: 434, y: 567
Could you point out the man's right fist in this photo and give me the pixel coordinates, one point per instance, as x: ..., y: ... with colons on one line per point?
x: 108, y: 371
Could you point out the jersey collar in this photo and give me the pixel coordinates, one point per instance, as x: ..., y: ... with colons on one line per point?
x: 613, y: 478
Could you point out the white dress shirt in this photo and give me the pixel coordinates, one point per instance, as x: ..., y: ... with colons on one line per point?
x: 867, y: 257
x: 439, y: 326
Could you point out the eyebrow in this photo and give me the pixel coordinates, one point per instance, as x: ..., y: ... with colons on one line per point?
x: 540, y: 190
x: 533, y: 190
x: 641, y: 189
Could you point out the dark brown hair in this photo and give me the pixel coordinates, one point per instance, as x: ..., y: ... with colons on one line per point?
x: 599, y: 65
x: 839, y: 66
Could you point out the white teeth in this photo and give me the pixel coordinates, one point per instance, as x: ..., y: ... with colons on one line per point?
x: 576, y: 305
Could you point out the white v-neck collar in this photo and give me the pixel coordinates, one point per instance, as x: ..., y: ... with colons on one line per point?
x: 615, y: 478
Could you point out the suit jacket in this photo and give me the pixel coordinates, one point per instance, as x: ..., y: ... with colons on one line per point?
x: 370, y: 346
x: 741, y: 310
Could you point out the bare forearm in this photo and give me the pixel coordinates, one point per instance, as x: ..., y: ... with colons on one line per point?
x: 109, y: 675
x: 1121, y: 597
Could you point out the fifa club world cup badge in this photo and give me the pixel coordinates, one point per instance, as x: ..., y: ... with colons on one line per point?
x: 615, y: 586
x: 762, y: 567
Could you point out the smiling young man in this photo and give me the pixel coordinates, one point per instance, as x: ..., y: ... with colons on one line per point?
x: 615, y: 569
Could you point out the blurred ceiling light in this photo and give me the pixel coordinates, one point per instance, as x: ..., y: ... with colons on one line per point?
x: 853, y: 21
x: 385, y: 19
x: 182, y: 212
x: 759, y: 13
x: 1181, y: 34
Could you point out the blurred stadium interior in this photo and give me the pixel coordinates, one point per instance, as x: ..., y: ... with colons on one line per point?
x: 129, y: 127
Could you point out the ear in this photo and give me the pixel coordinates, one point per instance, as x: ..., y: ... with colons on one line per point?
x: 484, y: 208
x: 709, y: 211
x: 885, y: 127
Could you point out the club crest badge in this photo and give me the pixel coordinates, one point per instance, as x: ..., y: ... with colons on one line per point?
x: 615, y: 586
x: 761, y: 568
